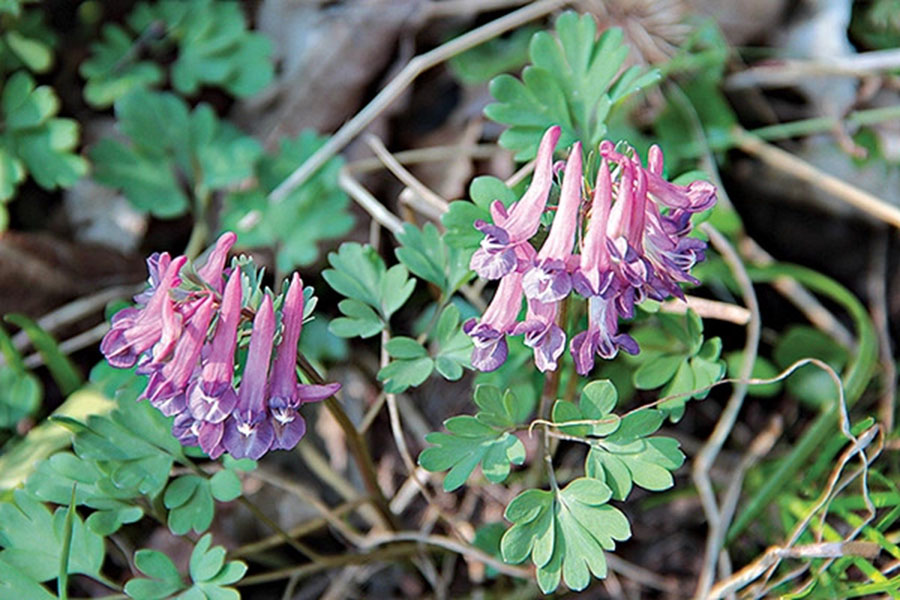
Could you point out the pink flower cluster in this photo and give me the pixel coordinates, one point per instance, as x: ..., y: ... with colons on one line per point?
x: 184, y: 335
x: 628, y: 242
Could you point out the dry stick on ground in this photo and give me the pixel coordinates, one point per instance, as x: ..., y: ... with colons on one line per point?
x: 761, y: 445
x: 708, y: 309
x: 404, y: 78
x: 77, y: 310
x: 704, y: 460
x: 298, y: 531
x: 369, y: 203
x: 423, y: 199
x: 786, y: 162
x: 400, y: 441
x: 454, y: 8
x: 766, y: 564
x: 72, y: 344
x: 272, y: 478
x: 836, y: 486
x: 877, y: 284
x: 787, y: 73
x: 425, y: 155
x: 355, y: 441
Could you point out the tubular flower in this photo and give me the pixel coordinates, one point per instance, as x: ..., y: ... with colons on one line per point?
x: 633, y: 244
x: 508, y: 236
x: 489, y: 334
x: 184, y: 335
x: 548, y: 280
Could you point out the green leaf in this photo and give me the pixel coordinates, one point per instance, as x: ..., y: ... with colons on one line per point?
x: 565, y: 533
x: 570, y: 83
x: 54, y: 479
x: 359, y: 321
x: 427, y: 255
x: 62, y: 585
x: 398, y: 375
x: 491, y: 58
x: 454, y: 346
x: 34, y: 53
x: 190, y: 503
x: 675, y: 355
x: 461, y: 215
x: 356, y: 273
x: 111, y: 72
x: 210, y: 41
x: 32, y: 540
x: 164, y: 579
x: 657, y: 371
x: 809, y: 383
x: 214, y: 46
x: 501, y: 411
x: 206, y: 562
x: 598, y: 399
x: 19, y: 460
x: 225, y: 485
x: 295, y: 226
x: 14, y: 583
x: 360, y: 274
x: 170, y: 145
x: 149, y: 184
x: 405, y: 347
x: 487, y: 539
x: 628, y: 457
x: 64, y: 372
x: 210, y: 573
x: 471, y: 441
x: 33, y: 140
x: 20, y: 396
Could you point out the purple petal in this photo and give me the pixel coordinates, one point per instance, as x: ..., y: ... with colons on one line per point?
x: 490, y: 349
x: 548, y: 343
x: 218, y: 363
x: 247, y: 440
x: 493, y: 265
x: 583, y: 348
x: 211, y: 271
x: 252, y: 393
x: 288, y: 427
x: 547, y: 282
x: 172, y: 405
x: 209, y: 436
x: 214, y: 408
x: 284, y: 367
x: 314, y: 393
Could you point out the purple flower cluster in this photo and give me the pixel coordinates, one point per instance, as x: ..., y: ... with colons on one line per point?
x: 184, y: 335
x: 627, y: 242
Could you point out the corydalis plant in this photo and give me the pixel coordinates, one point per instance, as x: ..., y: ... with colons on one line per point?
x: 616, y: 245
x: 185, y: 333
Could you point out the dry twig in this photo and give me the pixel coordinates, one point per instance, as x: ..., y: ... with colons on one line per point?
x: 704, y: 460
x: 406, y: 76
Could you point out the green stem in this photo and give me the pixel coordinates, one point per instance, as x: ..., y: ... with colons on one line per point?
x: 799, y: 128
x: 200, y: 232
x: 858, y: 374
